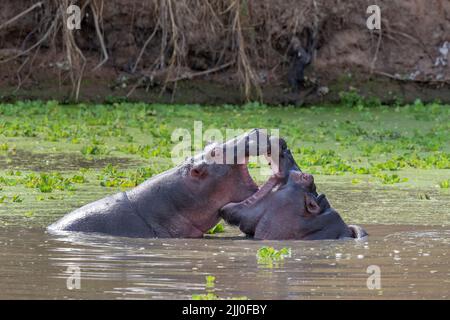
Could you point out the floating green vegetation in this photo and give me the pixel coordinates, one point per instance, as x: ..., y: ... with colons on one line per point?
x: 93, y: 150
x: 359, y: 142
x: 444, y: 184
x: 210, y: 294
x: 16, y: 198
x: 273, y: 254
x: 270, y: 257
x: 4, y: 147
x: 44, y: 182
x: 205, y: 296
x: 390, y: 178
x: 29, y: 214
x: 47, y: 182
x: 210, y: 281
x: 329, y: 163
x: 218, y: 228
x: 111, y: 176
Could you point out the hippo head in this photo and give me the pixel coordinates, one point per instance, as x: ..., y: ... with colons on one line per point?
x: 215, y: 177
x: 288, y: 207
x: 181, y: 202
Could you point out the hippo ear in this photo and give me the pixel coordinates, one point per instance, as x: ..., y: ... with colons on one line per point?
x: 311, y: 204
x: 199, y: 171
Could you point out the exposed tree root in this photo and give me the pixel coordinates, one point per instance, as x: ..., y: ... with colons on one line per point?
x: 176, y: 40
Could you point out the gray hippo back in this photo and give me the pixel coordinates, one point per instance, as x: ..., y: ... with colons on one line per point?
x: 113, y: 215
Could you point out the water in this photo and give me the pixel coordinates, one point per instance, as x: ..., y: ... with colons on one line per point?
x: 413, y: 260
x: 26, y: 160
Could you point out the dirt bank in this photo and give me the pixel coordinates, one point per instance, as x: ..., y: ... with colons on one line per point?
x: 223, y: 51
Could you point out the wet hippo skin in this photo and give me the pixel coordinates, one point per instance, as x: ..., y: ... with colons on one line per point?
x: 182, y: 202
x: 289, y: 207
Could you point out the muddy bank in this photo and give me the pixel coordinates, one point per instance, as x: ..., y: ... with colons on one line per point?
x: 216, y: 93
x: 224, y: 51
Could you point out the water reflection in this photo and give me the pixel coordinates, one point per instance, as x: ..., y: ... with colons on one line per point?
x: 414, y: 263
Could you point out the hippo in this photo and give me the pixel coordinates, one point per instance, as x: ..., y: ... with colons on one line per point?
x: 183, y: 202
x: 288, y: 206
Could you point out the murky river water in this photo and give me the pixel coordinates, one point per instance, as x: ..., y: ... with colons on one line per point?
x: 413, y: 261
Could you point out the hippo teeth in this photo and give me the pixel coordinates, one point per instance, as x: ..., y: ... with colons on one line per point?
x: 265, y: 189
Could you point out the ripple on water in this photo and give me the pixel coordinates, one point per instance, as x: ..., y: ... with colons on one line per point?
x: 35, y: 264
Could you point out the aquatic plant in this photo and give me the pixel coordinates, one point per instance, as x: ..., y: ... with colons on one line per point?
x: 47, y: 182
x: 444, y: 184
x: 4, y: 147
x: 218, y: 228
x: 358, y: 137
x: 16, y: 198
x: 111, y: 176
x: 92, y: 150
x: 28, y: 214
x: 210, y: 295
x: 270, y: 253
x: 390, y: 179
x: 210, y: 281
x: 205, y: 296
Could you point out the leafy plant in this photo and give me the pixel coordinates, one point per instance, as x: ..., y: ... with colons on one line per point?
x: 390, y: 179
x: 350, y: 98
x: 112, y: 177
x: 210, y: 281
x: 270, y: 253
x: 218, y: 228
x: 210, y: 295
x: 28, y: 214
x: 48, y: 182
x: 205, y: 296
x: 16, y: 198
x: 444, y: 184
x: 93, y: 150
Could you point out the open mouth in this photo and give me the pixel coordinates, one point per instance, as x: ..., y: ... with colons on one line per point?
x: 257, y: 143
x: 280, y: 161
x: 237, y: 151
x: 264, y: 188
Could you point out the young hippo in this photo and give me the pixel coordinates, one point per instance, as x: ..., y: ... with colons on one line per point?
x: 288, y: 207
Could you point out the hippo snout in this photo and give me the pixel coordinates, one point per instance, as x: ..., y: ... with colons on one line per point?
x: 357, y: 231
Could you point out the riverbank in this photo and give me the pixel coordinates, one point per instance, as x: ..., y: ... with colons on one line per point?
x: 221, y: 52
